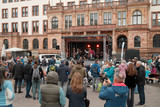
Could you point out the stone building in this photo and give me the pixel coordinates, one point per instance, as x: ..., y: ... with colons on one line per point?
x: 78, y: 25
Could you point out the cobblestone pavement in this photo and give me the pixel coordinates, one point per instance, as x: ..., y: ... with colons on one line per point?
x: 152, y: 92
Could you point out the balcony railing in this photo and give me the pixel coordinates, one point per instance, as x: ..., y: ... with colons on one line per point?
x: 97, y: 5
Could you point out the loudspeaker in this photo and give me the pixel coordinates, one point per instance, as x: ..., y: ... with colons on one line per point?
x: 131, y: 53
x: 57, y: 47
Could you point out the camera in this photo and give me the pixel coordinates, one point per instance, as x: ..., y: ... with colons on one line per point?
x: 104, y: 77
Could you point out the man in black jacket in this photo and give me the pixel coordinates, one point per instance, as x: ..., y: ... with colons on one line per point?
x: 63, y: 72
x: 28, y: 77
x: 141, y: 82
x: 18, y: 75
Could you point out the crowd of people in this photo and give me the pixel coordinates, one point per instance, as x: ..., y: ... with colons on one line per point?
x: 63, y: 79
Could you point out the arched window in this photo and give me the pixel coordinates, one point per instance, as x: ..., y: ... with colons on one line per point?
x: 137, y: 17
x: 156, y: 41
x: 6, y: 43
x: 35, y: 44
x: 45, y: 43
x: 55, y: 23
x: 25, y: 44
x: 137, y: 41
x: 54, y: 43
x: 120, y: 40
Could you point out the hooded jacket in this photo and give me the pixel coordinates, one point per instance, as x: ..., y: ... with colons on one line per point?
x: 51, y: 95
x: 115, y: 96
x: 122, y: 69
x: 80, y: 69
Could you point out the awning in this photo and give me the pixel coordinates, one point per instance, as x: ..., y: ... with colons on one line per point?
x: 15, y: 50
x: 83, y: 36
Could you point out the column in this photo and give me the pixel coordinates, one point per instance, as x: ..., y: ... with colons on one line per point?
x: 113, y: 42
x: 63, y: 48
x: 104, y: 48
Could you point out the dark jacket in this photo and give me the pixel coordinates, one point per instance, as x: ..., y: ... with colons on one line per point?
x: 18, y: 71
x: 130, y: 81
x: 95, y: 67
x: 27, y: 71
x: 40, y: 71
x: 115, y: 96
x: 140, y: 78
x: 63, y: 72
x: 44, y: 62
x: 76, y: 100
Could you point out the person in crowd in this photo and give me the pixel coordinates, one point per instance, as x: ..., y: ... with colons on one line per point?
x: 149, y: 62
x: 109, y: 71
x: 63, y: 72
x: 58, y: 62
x: 156, y: 61
x: 51, y: 95
x: 95, y: 70
x: 71, y: 66
x: 123, y: 68
x: 25, y: 59
x: 129, y: 61
x: 18, y: 75
x: 114, y: 60
x: 6, y: 90
x: 153, y: 70
x: 52, y: 66
x: 82, y: 61
x: 116, y: 70
x: 80, y: 69
x: 52, y: 60
x: 104, y: 67
x: 158, y: 66
x: 147, y: 72
x: 28, y: 77
x: 140, y: 78
x: 130, y: 81
x: 44, y: 62
x: 37, y: 73
x: 115, y: 94
x: 76, y: 92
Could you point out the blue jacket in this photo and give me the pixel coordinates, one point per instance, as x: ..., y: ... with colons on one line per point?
x: 7, y: 94
x: 115, y: 96
x: 110, y: 73
x: 95, y: 74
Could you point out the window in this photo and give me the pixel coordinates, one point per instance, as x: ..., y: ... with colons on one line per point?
x: 14, y: 12
x: 83, y: 2
x: 6, y: 43
x: 14, y: 27
x: 45, y: 9
x: 25, y: 44
x: 156, y: 19
x: 156, y: 41
x: 54, y: 43
x: 35, y: 10
x: 93, y: 19
x: 137, y: 41
x: 10, y: 1
x: 95, y: 1
x: 4, y: 1
x: 35, y: 26
x: 80, y: 20
x: 35, y: 44
x: 24, y: 27
x: 16, y: 0
x: 5, y: 27
x: 55, y: 23
x: 59, y: 4
x: 45, y: 43
x: 71, y: 3
x: 137, y: 17
x: 121, y: 18
x: 68, y: 21
x: 155, y: 2
x: 105, y: 18
x: 45, y: 26
x: 109, y: 18
x: 4, y: 13
x: 24, y: 11
x: 120, y: 40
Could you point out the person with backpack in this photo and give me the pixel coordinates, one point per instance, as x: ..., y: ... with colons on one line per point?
x: 37, y: 74
x: 52, y: 67
x: 95, y: 70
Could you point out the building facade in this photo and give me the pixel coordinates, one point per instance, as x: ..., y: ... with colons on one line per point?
x: 78, y: 25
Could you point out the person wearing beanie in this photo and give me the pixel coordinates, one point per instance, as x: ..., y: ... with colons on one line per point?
x: 51, y: 95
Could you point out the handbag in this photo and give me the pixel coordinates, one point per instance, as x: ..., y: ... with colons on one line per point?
x: 87, y: 102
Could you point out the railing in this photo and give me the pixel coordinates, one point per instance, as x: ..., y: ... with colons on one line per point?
x: 97, y: 5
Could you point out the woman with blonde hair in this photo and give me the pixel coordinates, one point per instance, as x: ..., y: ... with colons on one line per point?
x: 76, y: 92
x: 130, y: 81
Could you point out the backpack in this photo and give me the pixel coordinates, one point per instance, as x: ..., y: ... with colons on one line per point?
x: 95, y: 70
x: 52, y: 68
x: 36, y: 74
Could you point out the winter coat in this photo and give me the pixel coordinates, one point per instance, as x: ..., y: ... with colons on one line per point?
x: 76, y: 100
x: 51, y: 95
x: 140, y: 78
x: 122, y: 69
x: 130, y: 81
x: 18, y: 71
x: 63, y: 72
x: 95, y: 74
x: 27, y: 72
x: 115, y: 96
x: 110, y: 73
x: 80, y: 69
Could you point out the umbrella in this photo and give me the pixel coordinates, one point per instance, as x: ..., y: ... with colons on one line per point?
x: 3, y: 53
x: 15, y: 49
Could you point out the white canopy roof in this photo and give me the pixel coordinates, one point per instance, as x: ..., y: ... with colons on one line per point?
x: 14, y: 49
x: 3, y: 53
